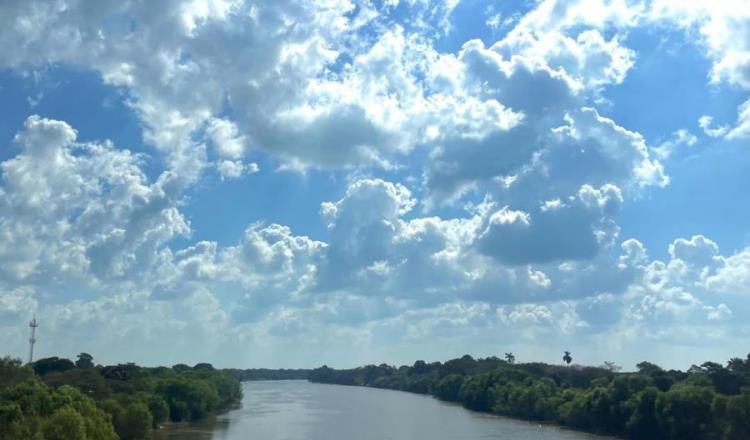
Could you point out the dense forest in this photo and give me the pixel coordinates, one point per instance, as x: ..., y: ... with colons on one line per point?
x: 58, y: 399
x: 268, y: 374
x: 707, y: 402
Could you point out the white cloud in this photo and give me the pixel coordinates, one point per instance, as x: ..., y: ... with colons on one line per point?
x: 494, y: 21
x: 225, y: 137
x: 183, y: 61
x: 17, y: 302
x: 234, y: 169
x: 705, y: 122
x: 282, y: 84
x: 588, y: 59
x: 382, y: 277
x: 577, y: 231
x: 552, y: 15
x: 718, y: 313
x: 68, y: 208
x: 733, y: 276
x: 722, y: 29
x: 680, y: 138
x: 88, y: 240
x: 742, y: 129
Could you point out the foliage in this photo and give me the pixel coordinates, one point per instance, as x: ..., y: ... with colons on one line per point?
x: 83, y: 401
x: 31, y: 410
x: 567, y: 358
x: 52, y: 364
x: 85, y: 360
x: 65, y: 424
x: 268, y: 374
x: 710, y: 401
x: 12, y: 371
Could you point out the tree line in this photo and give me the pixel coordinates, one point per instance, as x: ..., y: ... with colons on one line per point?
x: 268, y: 374
x: 58, y: 399
x: 708, y: 402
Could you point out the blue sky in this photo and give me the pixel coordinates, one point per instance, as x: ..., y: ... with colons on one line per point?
x: 296, y: 183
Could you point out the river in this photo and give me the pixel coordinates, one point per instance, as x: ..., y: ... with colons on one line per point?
x: 299, y: 410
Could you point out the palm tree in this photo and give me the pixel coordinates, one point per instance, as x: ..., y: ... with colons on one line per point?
x: 568, y: 358
x: 509, y: 358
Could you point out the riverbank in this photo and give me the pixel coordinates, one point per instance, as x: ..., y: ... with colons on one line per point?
x: 123, y: 401
x: 302, y: 410
x: 710, y: 401
x: 162, y: 430
x: 268, y: 373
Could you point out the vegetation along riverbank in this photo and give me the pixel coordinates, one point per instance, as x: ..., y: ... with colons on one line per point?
x: 707, y: 402
x: 58, y: 399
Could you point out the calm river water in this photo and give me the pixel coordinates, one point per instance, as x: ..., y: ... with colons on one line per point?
x: 299, y: 410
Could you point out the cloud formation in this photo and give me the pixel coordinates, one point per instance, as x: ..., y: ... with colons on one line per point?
x: 479, y: 185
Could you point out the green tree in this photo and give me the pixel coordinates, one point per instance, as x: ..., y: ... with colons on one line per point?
x: 449, y: 387
x: 12, y: 371
x: 88, y: 381
x: 475, y: 392
x: 724, y: 379
x: 574, y: 411
x: 129, y: 398
x: 642, y: 423
x: 420, y: 367
x: 85, y: 360
x: 567, y: 358
x: 159, y: 410
x: 65, y: 424
x: 97, y: 423
x: 732, y: 414
x: 52, y: 364
x: 685, y: 413
x: 12, y: 422
x: 203, y: 366
x: 652, y: 404
x: 133, y: 422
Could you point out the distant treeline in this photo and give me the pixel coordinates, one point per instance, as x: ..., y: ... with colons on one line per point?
x: 57, y: 399
x: 268, y: 374
x: 707, y: 402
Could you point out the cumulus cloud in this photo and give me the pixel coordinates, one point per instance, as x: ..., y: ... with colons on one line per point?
x: 699, y: 250
x: 683, y: 138
x: 733, y: 274
x: 386, y: 272
x: 577, y: 231
x: 234, y: 169
x: 182, y: 62
x: 188, y: 64
x: 225, y: 138
x: 512, y: 136
x: 289, y: 91
x: 558, y: 131
x: 742, y: 129
x: 688, y: 290
x: 705, y: 122
x: 16, y: 302
x: 68, y: 209
x: 722, y: 31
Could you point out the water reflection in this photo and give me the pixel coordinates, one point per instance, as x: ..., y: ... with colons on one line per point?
x: 298, y: 410
x: 210, y: 428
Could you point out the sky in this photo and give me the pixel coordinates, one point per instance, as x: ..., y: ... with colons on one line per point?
x: 292, y: 183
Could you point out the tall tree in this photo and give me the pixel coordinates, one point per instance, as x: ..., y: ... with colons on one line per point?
x: 568, y: 358
x: 52, y: 364
x: 85, y: 360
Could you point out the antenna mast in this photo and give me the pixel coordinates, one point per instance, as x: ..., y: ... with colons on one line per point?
x: 32, y: 339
